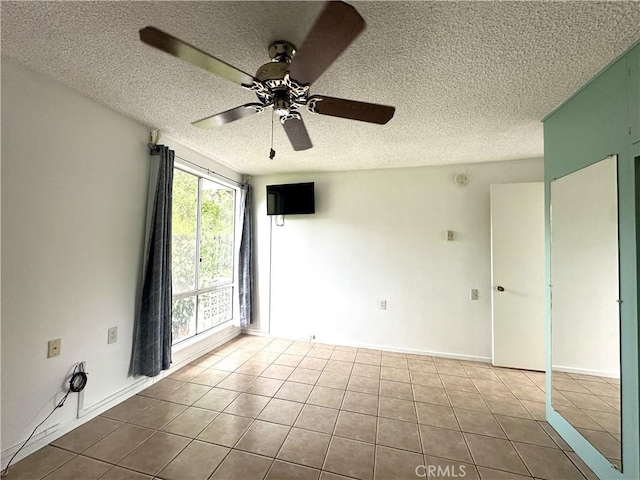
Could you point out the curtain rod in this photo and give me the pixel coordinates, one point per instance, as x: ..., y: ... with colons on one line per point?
x: 210, y: 171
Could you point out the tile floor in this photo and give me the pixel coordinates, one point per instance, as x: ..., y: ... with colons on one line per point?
x: 261, y: 408
x: 592, y: 405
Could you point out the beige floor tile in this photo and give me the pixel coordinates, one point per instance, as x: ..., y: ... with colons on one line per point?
x: 435, y: 395
x: 196, y: 462
x: 495, y: 453
x: 579, y: 463
x: 217, y: 399
x: 567, y: 384
x: 296, y: 392
x: 305, y: 447
x: 366, y: 370
x: 39, y: 464
x: 83, y: 437
x: 524, y: 392
x: 119, y: 473
x: 344, y: 348
x: 188, y: 393
x: 527, y: 431
x: 288, y: 471
x: 364, y: 385
x: 237, y: 381
x: 577, y: 417
x: 397, y: 434
x: 161, y: 389
x: 156, y: 453
x: 507, y: 406
x: 342, y: 355
x: 422, y: 366
x: 548, y: 463
x: 368, y: 359
x: 395, y: 374
x: 117, y: 445
x: 263, y: 438
x: 482, y: 373
x: 451, y: 369
x: 80, y: 468
x: 442, y: 468
x: 333, y: 380
x: 206, y: 361
x: 159, y: 415
x: 210, y: 377
x: 280, y: 411
x: 320, y: 353
x: 338, y: 366
x: 396, y: 390
x: 326, y: 397
x: 350, y: 458
x: 487, y: 387
x: 601, y: 388
x: 391, y: 463
x: 247, y: 405
x: 604, y: 442
x: 305, y: 375
x: 185, y: 374
x: 312, y: 363
x: 555, y: 437
x: 360, y: 403
x: 426, y: 378
x: 536, y: 409
x: 436, y: 416
x: 491, y: 474
x: 444, y: 443
x: 395, y: 362
x: 225, y: 430
x: 318, y: 419
x: 279, y: 372
x: 132, y: 407
x: 479, y: 422
x: 265, y: 357
x: 463, y: 384
x: 264, y: 386
x: 356, y: 426
x: 298, y: 349
x: 242, y: 466
x: 468, y: 400
x: 397, y: 409
x: 611, y: 422
x: 190, y: 422
x: 229, y: 364
x: 288, y: 360
x: 253, y: 367
x: 332, y: 476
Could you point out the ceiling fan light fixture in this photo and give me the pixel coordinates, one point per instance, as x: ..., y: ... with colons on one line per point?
x: 282, y: 107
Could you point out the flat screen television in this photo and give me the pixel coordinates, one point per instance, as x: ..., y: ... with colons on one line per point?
x: 291, y: 199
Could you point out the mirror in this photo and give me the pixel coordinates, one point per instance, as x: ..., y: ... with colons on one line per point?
x: 585, y: 308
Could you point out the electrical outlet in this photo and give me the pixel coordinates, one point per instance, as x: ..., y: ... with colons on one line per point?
x: 312, y: 337
x: 383, y: 304
x: 54, y: 346
x: 474, y: 294
x: 450, y: 235
x: 112, y: 336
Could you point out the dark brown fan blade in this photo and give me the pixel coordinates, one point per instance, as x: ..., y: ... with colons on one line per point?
x: 339, y: 107
x: 297, y: 133
x: 336, y: 27
x: 229, y: 116
x: 176, y: 47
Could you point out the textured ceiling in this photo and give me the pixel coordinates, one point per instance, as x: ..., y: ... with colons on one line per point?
x: 470, y: 80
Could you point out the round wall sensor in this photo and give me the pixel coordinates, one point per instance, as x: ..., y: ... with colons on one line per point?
x: 460, y: 179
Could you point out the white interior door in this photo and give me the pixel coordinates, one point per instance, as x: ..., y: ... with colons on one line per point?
x: 517, y: 276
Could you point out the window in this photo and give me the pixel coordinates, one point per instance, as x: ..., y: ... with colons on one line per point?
x: 202, y: 263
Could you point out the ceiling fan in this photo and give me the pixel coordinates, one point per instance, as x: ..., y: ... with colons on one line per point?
x: 283, y: 83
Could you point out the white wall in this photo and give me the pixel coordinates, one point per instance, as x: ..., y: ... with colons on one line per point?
x: 585, y: 315
x: 74, y: 197
x: 381, y: 234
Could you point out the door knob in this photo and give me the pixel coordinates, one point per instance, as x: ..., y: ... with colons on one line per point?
x: 500, y: 289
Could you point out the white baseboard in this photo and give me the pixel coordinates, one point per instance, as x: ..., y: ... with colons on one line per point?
x: 584, y: 371
x: 182, y: 358
x: 431, y: 353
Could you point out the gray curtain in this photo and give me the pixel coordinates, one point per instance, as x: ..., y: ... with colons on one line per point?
x: 245, y: 266
x: 152, y: 336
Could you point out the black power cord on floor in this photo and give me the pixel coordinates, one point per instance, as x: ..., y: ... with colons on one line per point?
x: 76, y: 384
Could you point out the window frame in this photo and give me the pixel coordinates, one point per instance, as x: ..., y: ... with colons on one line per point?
x: 198, y: 292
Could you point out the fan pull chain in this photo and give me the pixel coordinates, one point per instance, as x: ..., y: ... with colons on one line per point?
x: 272, y: 152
